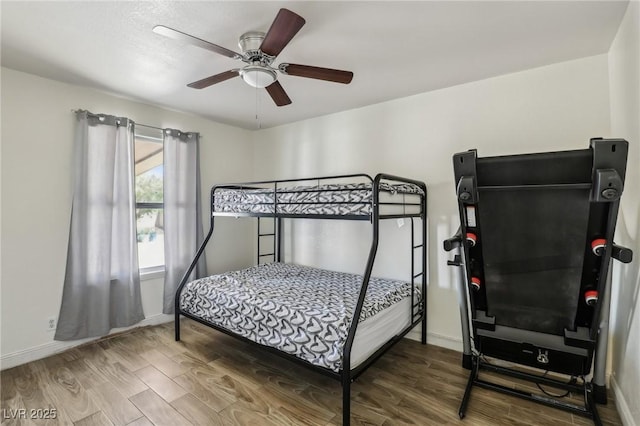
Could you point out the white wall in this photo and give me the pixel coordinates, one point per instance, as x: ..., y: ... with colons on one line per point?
x: 37, y: 139
x: 556, y: 107
x: 624, y: 80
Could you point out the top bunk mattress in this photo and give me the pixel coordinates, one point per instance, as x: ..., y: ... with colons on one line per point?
x: 296, y: 309
x: 353, y: 199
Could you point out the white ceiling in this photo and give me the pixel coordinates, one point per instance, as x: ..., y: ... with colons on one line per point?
x: 395, y: 49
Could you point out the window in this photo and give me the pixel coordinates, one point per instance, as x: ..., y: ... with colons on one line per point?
x: 149, y: 199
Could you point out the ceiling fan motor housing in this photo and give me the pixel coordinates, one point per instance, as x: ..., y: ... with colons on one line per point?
x: 250, y: 43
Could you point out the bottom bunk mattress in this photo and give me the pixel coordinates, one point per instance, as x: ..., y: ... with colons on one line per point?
x: 301, y: 310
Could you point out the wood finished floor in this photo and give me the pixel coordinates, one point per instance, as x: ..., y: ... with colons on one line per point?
x: 143, y: 377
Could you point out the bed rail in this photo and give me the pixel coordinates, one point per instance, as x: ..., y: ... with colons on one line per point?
x: 344, y: 197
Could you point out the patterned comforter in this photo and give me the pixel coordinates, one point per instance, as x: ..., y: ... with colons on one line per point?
x: 299, y: 310
x: 330, y: 199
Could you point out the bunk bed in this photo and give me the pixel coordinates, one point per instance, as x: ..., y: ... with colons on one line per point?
x: 305, y: 314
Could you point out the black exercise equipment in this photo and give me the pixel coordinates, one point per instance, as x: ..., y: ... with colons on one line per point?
x: 534, y: 250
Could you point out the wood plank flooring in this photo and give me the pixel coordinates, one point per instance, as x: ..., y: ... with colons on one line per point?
x: 143, y: 377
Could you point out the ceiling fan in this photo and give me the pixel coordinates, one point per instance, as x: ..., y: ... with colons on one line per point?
x: 259, y: 50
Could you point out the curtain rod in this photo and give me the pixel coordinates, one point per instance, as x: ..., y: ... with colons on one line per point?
x: 150, y: 127
x: 136, y: 123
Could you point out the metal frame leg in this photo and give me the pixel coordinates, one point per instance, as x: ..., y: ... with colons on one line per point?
x: 599, y: 380
x: 467, y: 354
x: 176, y: 326
x: 593, y: 408
x: 467, y: 391
x: 346, y: 401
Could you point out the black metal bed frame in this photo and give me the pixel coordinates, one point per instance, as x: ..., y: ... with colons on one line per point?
x: 417, y: 309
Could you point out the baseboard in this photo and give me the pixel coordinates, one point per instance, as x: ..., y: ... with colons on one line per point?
x: 622, y: 404
x: 42, y: 351
x: 436, y: 339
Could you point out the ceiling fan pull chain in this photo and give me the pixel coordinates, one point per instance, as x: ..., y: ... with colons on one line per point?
x: 258, y: 109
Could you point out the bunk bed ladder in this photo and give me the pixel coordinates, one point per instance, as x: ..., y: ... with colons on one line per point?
x: 417, y: 307
x: 275, y: 253
x: 414, y: 275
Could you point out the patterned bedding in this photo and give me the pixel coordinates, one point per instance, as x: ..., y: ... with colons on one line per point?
x: 297, y: 309
x: 330, y: 199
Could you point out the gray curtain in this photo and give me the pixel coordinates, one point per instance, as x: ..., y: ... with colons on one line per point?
x: 182, y: 211
x: 102, y: 281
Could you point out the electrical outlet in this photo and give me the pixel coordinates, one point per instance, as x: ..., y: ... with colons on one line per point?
x: 51, y: 323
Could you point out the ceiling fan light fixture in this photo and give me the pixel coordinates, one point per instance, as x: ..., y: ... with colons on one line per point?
x: 258, y: 76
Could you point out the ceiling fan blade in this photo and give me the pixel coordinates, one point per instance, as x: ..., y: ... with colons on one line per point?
x: 195, y: 41
x: 284, y: 27
x: 209, y: 81
x: 328, y: 74
x: 278, y: 94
